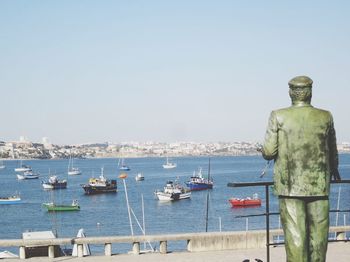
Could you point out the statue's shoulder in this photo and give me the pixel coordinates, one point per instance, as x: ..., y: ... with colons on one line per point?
x: 282, y: 111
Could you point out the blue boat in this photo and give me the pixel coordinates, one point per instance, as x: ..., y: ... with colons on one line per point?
x: 123, y: 166
x: 16, y: 199
x: 198, y: 182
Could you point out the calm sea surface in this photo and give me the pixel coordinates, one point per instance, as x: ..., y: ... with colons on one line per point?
x: 106, y: 214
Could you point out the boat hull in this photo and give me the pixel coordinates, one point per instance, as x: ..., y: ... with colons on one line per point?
x: 74, y: 173
x: 10, y: 201
x: 169, y: 166
x: 59, y: 208
x: 172, y: 196
x: 24, y: 176
x: 198, y: 186
x: 59, y: 185
x: 236, y: 202
x: 92, y: 190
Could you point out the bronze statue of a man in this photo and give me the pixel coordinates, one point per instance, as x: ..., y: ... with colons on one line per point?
x: 301, y: 140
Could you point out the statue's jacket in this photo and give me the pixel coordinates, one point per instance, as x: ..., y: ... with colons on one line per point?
x: 301, y: 140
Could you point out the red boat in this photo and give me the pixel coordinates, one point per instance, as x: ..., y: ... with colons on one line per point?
x: 245, y: 202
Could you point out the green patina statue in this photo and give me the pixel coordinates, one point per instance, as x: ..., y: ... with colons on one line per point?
x: 301, y: 140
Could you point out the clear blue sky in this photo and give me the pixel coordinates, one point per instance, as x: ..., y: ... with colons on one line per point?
x: 94, y: 71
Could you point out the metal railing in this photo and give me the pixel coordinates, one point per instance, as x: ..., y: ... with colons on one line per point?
x: 267, y: 213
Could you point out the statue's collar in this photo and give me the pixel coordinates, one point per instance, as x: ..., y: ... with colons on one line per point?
x: 300, y: 104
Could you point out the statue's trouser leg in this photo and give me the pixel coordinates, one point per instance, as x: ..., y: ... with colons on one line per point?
x: 318, y: 214
x: 305, y: 224
x: 293, y: 218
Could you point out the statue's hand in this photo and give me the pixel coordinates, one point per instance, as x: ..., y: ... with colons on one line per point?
x: 258, y: 147
x: 335, y: 175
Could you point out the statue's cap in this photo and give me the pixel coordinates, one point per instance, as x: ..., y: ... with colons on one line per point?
x: 300, y: 81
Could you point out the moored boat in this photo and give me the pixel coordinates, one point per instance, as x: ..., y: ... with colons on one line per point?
x: 54, y: 183
x: 23, y: 168
x: 168, y: 164
x: 198, y: 182
x: 245, y: 202
x: 122, y: 165
x: 15, y: 199
x: 27, y: 175
x: 100, y: 185
x: 173, y: 191
x: 54, y: 207
x: 139, y: 177
x: 72, y: 171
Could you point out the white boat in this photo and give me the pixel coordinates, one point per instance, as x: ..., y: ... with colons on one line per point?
x: 139, y: 177
x: 72, y: 171
x: 54, y: 183
x: 169, y: 165
x: 23, y: 168
x: 27, y: 175
x: 173, y: 191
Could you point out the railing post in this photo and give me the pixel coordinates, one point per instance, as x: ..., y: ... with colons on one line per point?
x: 22, y: 252
x: 136, y: 248
x: 189, y: 245
x: 108, y: 249
x: 51, y: 251
x: 267, y: 223
x: 163, y: 247
x: 80, y: 250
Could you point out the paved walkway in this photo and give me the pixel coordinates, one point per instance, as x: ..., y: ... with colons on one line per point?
x: 339, y: 252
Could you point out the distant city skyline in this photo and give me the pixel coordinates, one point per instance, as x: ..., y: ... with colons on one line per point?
x: 95, y: 71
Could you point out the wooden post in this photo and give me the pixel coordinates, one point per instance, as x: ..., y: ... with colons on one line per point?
x: 22, y: 252
x: 163, y: 247
x: 108, y: 249
x: 51, y: 251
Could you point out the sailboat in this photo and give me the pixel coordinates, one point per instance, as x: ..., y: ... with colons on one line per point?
x: 23, y: 168
x: 169, y: 165
x: 2, y: 166
x: 72, y: 171
x: 122, y: 165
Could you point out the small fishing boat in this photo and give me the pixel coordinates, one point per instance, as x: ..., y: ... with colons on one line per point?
x: 27, y: 175
x: 198, y: 182
x: 173, y: 191
x: 15, y: 199
x: 245, y: 202
x: 139, y: 177
x: 53, y: 207
x: 54, y: 183
x: 168, y: 164
x: 100, y: 185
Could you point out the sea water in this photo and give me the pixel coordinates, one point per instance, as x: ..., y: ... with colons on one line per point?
x: 107, y: 214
